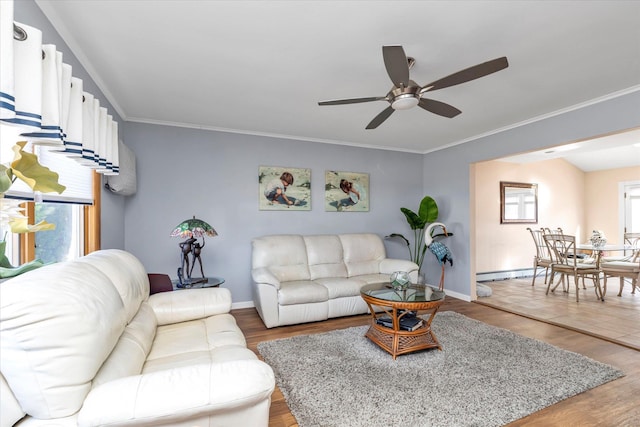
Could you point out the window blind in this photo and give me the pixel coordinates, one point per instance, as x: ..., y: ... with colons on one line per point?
x: 76, y: 177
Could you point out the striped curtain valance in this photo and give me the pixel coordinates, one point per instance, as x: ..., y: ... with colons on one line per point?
x: 42, y: 99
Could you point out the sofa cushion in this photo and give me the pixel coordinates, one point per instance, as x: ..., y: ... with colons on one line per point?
x: 129, y: 355
x: 176, y: 307
x: 374, y: 278
x: 325, y: 256
x: 212, y: 339
x: 126, y: 273
x: 339, y: 287
x: 301, y: 292
x: 362, y: 253
x: 285, y: 255
x: 56, y: 333
x: 10, y: 410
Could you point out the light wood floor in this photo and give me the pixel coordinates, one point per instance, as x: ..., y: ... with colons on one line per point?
x: 616, y: 319
x: 611, y: 404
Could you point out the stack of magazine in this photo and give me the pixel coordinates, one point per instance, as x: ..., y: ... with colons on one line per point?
x: 408, y: 322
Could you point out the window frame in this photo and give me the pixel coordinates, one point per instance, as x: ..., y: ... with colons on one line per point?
x: 91, y: 225
x: 533, y: 191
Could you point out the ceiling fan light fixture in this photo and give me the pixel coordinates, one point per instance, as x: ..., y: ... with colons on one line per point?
x: 406, y: 93
x: 404, y: 102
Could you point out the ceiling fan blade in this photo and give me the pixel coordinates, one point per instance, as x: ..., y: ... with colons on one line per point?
x: 352, y: 101
x: 377, y: 120
x: 396, y: 63
x: 439, y: 108
x: 468, y: 74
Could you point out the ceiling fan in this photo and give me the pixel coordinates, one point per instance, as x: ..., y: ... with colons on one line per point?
x: 406, y: 93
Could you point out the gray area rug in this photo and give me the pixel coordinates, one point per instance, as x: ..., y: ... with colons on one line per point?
x: 485, y: 376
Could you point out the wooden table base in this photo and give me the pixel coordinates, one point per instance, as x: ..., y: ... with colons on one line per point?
x: 395, y: 304
x: 401, y: 342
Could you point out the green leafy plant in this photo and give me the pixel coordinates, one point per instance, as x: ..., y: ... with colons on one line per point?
x: 427, y: 214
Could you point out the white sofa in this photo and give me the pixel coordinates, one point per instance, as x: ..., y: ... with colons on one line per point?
x: 83, y: 343
x: 299, y: 278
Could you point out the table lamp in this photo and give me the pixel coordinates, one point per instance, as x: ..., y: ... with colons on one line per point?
x: 191, y: 229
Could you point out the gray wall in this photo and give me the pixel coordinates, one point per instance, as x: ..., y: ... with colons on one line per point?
x: 27, y: 12
x: 214, y: 176
x: 447, y: 172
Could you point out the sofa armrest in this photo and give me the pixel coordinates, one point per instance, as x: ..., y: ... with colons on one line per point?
x: 390, y: 265
x: 264, y: 275
x: 190, y: 304
x: 177, y: 395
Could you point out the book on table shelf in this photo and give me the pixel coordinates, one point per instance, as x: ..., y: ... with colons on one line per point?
x: 410, y: 323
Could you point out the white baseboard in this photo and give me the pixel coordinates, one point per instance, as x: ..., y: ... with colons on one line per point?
x: 242, y: 304
x: 504, y: 275
x: 458, y: 295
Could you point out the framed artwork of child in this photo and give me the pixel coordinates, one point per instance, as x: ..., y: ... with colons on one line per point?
x: 346, y: 192
x: 284, y: 188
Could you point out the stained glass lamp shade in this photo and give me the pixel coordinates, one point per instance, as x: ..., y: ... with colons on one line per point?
x: 190, y: 249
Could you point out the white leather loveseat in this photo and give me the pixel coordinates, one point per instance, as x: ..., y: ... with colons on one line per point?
x: 83, y: 343
x: 300, y: 278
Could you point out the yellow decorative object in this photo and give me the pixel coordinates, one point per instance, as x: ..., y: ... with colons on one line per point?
x: 25, y: 166
x: 6, y: 179
x: 40, y: 178
x: 21, y: 225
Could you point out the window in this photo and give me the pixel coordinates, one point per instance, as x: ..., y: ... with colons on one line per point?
x: 66, y: 242
x: 77, y: 230
x: 518, y: 203
x: 75, y: 212
x: 632, y: 208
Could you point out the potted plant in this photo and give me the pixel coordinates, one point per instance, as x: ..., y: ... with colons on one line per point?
x: 427, y: 214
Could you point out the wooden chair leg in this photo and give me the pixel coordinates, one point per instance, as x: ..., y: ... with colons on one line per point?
x: 550, y: 282
x: 565, y: 288
x: 621, y: 286
x: 576, y: 281
x: 600, y: 293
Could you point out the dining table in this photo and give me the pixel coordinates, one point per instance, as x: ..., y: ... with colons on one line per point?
x: 605, y: 248
x: 605, y: 251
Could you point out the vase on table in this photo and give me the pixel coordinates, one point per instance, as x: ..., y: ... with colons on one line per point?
x: 400, y: 280
x: 597, y: 240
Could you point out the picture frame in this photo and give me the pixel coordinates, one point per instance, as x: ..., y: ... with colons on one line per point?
x: 518, y: 203
x: 346, y: 191
x: 284, y: 188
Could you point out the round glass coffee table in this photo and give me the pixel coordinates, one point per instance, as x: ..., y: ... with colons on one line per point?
x: 395, y: 324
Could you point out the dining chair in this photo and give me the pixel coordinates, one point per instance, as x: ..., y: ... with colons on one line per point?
x: 624, y: 270
x: 565, y: 262
x: 547, y: 230
x: 542, y: 258
x: 632, y: 240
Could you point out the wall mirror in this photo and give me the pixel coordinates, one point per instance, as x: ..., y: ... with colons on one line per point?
x: 518, y: 203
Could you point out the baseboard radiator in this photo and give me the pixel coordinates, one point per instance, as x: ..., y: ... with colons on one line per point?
x: 492, y: 276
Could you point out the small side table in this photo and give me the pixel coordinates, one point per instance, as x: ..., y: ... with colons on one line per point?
x: 393, y: 339
x: 212, y: 282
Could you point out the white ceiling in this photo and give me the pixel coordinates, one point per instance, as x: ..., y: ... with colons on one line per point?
x: 621, y: 150
x: 260, y: 67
